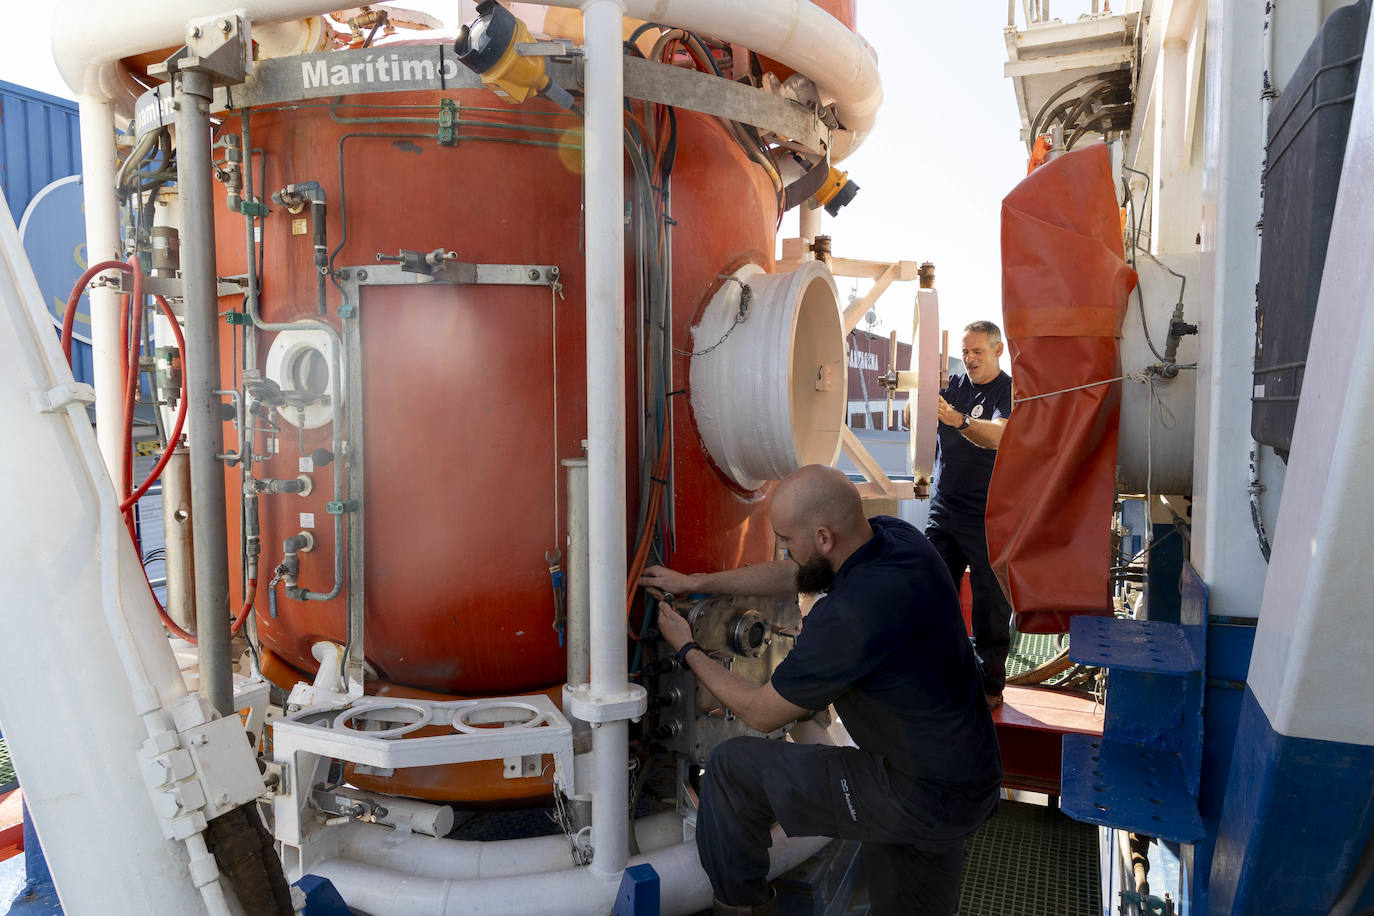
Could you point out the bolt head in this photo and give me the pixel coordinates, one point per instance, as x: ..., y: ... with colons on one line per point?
x: 195, y: 32
x: 362, y: 275
x: 226, y: 26
x: 534, y: 275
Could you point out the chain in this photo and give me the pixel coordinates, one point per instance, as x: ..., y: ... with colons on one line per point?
x: 746, y: 298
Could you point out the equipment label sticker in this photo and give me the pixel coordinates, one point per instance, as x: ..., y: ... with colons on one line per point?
x: 307, y: 519
x: 306, y: 464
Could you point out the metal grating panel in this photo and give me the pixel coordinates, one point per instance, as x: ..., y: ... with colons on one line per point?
x: 1031, y: 650
x: 1031, y: 861
x: 6, y: 768
x: 1026, y: 861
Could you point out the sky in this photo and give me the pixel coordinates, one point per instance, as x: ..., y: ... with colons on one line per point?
x: 932, y: 174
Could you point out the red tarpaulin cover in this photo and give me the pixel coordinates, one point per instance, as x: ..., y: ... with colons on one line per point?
x: 1065, y: 287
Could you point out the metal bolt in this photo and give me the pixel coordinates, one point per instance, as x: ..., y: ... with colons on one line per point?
x: 362, y: 275
x: 226, y: 26
x: 534, y: 275
x: 195, y: 31
x: 553, y: 273
x: 341, y: 274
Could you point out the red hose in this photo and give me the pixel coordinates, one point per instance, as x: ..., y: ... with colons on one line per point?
x: 69, y: 317
x: 68, y: 322
x: 251, y: 593
x: 132, y: 349
x: 175, y: 436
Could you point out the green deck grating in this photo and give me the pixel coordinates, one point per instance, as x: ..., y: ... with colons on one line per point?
x: 6, y: 768
x: 1031, y: 650
x: 1032, y: 861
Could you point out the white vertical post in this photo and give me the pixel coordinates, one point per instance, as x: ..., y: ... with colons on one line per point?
x: 102, y: 244
x: 603, y: 159
x: 1224, y: 548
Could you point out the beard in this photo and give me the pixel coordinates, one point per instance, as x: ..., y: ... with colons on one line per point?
x: 815, y: 576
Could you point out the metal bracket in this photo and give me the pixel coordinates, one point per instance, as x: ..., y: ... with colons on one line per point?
x: 558, y: 49
x: 62, y: 395
x: 667, y: 85
x: 435, y: 267
x: 217, y: 46
x: 170, y: 288
x: 341, y: 506
x: 308, y: 76
x: 448, y: 116
x: 629, y: 705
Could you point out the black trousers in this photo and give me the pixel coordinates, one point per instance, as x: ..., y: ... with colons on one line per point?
x: 912, y: 851
x: 962, y: 543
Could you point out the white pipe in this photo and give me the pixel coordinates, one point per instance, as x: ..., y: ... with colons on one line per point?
x: 102, y: 244
x: 460, y: 860
x: 603, y: 163
x: 683, y: 887
x: 796, y: 33
x: 809, y: 222
x: 578, y: 569
x: 90, y: 39
x: 407, y: 815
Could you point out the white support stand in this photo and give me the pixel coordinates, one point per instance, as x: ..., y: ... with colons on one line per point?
x: 379, y: 733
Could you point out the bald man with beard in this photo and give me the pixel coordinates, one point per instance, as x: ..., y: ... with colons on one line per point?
x: 886, y: 645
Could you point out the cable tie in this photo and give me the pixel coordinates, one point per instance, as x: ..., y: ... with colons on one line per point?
x: 673, y: 394
x: 658, y: 480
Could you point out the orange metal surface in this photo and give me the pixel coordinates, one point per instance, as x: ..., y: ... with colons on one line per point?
x: 1030, y: 725
x: 1065, y: 287
x: 462, y: 440
x: 11, y: 824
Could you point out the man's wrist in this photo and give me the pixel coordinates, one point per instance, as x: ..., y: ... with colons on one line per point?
x: 963, y: 424
x: 686, y: 648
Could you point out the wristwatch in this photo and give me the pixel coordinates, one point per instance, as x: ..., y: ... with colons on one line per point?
x: 964, y: 425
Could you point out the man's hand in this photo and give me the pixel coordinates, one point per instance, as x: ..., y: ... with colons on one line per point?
x: 674, y: 627
x: 948, y: 415
x: 660, y: 581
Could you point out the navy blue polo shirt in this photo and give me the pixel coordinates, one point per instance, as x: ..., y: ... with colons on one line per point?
x: 887, y: 646
x: 959, y: 484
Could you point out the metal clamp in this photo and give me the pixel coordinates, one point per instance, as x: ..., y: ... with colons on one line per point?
x: 630, y: 705
x: 62, y: 395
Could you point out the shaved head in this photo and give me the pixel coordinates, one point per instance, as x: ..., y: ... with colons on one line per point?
x: 817, y: 496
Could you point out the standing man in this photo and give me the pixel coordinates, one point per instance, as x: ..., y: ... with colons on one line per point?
x: 973, y: 412
x: 887, y: 647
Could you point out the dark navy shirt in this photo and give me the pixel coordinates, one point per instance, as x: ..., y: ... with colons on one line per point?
x: 887, y: 646
x: 959, y: 484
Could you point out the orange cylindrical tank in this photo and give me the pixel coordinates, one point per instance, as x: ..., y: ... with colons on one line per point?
x: 472, y: 394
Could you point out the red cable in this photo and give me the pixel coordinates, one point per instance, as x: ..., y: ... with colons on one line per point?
x: 69, y: 317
